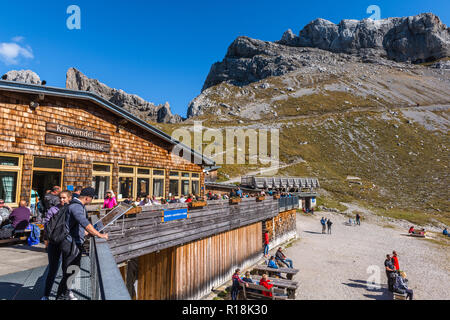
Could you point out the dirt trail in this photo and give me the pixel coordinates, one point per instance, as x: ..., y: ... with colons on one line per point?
x: 335, y: 266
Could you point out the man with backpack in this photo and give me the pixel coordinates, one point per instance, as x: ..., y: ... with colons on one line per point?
x: 323, y: 223
x: 329, y: 223
x: 67, y: 230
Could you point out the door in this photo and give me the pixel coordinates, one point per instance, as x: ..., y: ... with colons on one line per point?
x: 44, y: 180
x: 47, y: 173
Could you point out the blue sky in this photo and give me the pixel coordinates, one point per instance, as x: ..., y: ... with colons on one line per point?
x: 160, y: 50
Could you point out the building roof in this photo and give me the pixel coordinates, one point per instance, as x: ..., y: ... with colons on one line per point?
x: 279, y: 182
x: 94, y: 98
x: 229, y: 186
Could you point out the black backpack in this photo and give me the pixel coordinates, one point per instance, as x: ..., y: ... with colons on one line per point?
x: 56, y: 228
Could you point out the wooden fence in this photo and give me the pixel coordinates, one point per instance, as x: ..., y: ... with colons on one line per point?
x: 192, y: 270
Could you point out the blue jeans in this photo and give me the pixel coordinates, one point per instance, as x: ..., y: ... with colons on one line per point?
x: 266, y: 249
x: 287, y: 262
x: 234, y: 292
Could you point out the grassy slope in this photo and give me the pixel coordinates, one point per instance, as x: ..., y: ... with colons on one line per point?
x: 396, y: 160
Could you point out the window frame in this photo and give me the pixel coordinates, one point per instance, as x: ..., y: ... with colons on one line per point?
x: 135, y: 175
x: 19, y: 170
x: 102, y: 174
x: 42, y: 169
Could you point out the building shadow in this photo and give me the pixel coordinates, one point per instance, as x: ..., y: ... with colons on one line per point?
x: 377, y: 292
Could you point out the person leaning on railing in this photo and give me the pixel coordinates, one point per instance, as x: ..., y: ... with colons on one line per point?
x: 79, y: 227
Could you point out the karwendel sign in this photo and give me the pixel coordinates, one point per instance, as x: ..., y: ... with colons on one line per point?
x: 67, y: 136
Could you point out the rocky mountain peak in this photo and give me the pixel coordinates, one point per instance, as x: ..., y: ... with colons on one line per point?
x: 415, y: 39
x: 145, y: 110
x: 25, y: 76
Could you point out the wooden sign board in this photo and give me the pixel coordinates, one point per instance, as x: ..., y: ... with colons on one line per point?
x: 76, y: 132
x: 72, y: 142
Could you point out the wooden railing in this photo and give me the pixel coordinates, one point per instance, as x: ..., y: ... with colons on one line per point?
x: 131, y: 237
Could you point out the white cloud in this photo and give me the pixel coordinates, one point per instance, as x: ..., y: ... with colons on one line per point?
x: 10, y: 52
x: 18, y: 39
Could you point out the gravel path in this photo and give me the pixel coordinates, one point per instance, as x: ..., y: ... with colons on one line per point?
x: 335, y: 266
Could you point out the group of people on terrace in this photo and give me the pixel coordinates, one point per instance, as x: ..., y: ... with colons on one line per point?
x: 110, y: 200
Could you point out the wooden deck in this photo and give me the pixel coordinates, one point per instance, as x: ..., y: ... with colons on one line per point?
x: 131, y: 237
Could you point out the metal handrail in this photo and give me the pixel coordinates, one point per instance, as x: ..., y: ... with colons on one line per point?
x: 106, y: 280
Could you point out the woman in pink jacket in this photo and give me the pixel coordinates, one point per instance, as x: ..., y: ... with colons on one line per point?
x: 110, y: 200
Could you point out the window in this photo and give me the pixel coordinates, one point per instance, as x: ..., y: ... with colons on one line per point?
x: 126, y: 182
x: 173, y: 188
x: 184, y: 183
x: 158, y: 179
x: 125, y: 187
x: 48, y: 163
x: 101, y: 179
x: 185, y: 187
x: 143, y: 187
x: 10, y: 178
x: 158, y: 187
x: 139, y: 182
x: 195, y: 187
x: 143, y: 182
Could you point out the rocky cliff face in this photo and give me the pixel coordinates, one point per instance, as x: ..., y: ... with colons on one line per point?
x: 145, y: 110
x: 25, y: 76
x: 416, y: 39
x: 413, y: 39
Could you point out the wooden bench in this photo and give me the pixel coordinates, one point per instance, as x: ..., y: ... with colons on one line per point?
x: 399, y: 296
x: 289, y: 285
x: 258, y: 293
x: 290, y: 273
x: 418, y: 233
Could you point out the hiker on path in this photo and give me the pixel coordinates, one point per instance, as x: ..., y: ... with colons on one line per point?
x: 358, y: 219
x: 323, y: 222
x: 329, y: 223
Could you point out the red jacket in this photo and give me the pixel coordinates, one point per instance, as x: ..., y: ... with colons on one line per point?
x: 266, y: 238
x: 395, y: 262
x: 266, y: 285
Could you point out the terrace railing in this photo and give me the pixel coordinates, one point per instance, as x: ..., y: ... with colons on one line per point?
x: 288, y: 203
x: 106, y: 280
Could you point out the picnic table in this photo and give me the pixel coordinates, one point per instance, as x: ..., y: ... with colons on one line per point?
x: 290, y: 273
x: 21, y: 235
x: 277, y: 293
x: 289, y: 285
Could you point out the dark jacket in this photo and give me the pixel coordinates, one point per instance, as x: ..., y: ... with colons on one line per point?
x: 279, y: 255
x: 50, y: 200
x: 76, y: 221
x: 399, y: 285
